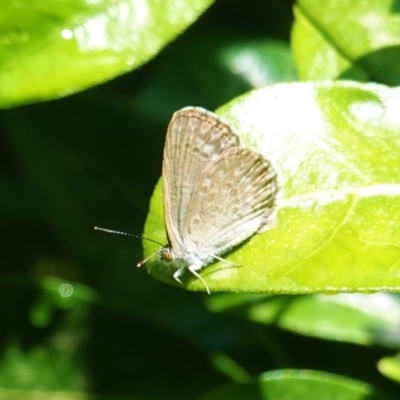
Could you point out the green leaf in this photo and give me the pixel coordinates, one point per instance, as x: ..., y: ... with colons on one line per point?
x: 336, y: 148
x: 341, y: 39
x: 46, y: 355
x: 390, y: 367
x: 259, y: 62
x: 229, y: 367
x: 235, y: 65
x: 296, y: 384
x: 51, y: 49
x: 316, y: 57
x: 9, y: 394
x: 355, y: 318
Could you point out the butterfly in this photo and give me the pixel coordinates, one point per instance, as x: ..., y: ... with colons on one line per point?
x: 216, y: 192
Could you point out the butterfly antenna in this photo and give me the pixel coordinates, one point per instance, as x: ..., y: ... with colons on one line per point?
x: 96, y: 228
x: 139, y: 264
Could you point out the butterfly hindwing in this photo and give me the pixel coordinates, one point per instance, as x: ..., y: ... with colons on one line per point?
x: 231, y: 200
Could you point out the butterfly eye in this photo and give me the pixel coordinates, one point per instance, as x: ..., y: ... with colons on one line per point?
x: 166, y: 254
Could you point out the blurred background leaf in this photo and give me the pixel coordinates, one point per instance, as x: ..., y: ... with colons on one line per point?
x: 390, y: 367
x: 51, y: 48
x: 348, y: 40
x: 353, y: 318
x: 297, y: 385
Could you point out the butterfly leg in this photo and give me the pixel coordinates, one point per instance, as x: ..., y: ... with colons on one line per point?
x: 192, y: 269
x: 178, y: 273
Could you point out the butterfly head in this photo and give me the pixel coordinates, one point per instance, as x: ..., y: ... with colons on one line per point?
x: 166, y: 254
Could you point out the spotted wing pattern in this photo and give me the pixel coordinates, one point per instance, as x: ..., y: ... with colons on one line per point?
x: 195, y: 137
x: 231, y: 201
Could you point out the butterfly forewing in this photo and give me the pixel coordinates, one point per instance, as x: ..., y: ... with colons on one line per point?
x: 231, y: 200
x: 195, y: 137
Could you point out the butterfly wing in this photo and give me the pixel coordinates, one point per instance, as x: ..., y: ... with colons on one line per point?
x: 231, y: 201
x: 195, y: 137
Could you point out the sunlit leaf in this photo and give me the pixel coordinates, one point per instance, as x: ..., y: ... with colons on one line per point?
x: 336, y: 148
x: 50, y: 49
x: 341, y: 39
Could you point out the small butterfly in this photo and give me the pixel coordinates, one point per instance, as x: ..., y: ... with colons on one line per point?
x: 216, y: 192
